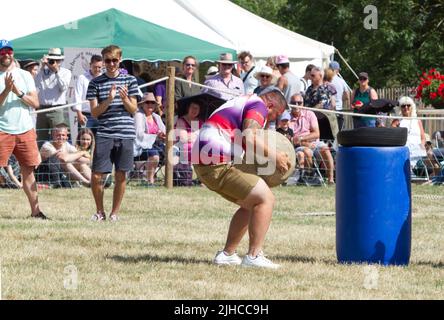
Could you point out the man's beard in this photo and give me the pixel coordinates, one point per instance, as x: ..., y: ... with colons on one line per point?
x: 6, y: 62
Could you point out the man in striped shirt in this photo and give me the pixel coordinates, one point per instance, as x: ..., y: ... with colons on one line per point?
x: 113, y: 101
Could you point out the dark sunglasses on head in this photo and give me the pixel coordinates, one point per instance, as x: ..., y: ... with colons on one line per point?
x: 190, y: 65
x: 362, y: 79
x: 298, y: 103
x: 405, y: 106
x: 108, y: 61
x: 6, y: 51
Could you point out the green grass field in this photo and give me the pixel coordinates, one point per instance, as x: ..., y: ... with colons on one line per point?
x: 163, y: 246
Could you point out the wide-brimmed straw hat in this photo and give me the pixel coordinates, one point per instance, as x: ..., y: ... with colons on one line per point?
x: 55, y: 54
x: 148, y: 96
x: 226, y: 58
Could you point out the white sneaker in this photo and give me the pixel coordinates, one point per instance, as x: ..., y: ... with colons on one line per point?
x: 222, y: 258
x: 259, y: 262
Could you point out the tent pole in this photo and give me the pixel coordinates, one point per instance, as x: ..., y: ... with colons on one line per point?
x: 345, y: 61
x: 170, y: 129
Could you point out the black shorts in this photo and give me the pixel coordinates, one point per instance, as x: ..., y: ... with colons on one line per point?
x: 109, y: 151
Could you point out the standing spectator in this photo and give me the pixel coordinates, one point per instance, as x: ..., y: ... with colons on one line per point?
x: 225, y: 80
x: 305, y: 80
x: 248, y: 71
x: 361, y: 96
x: 83, y: 110
x: 32, y: 67
x: 182, y: 89
x: 150, y: 135
x: 289, y: 83
x: 212, y: 71
x: 18, y: 96
x: 320, y: 95
x: 52, y: 83
x: 266, y: 78
x: 271, y: 62
x: 342, y: 97
x: 113, y: 101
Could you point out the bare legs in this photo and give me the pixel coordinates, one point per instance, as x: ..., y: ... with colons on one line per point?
x: 30, y: 188
x: 98, y: 191
x: 254, y: 215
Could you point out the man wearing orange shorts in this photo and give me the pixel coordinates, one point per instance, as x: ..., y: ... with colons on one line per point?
x: 18, y: 96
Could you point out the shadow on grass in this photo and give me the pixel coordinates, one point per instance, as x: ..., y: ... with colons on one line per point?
x: 302, y: 259
x: 439, y: 265
x: 162, y: 259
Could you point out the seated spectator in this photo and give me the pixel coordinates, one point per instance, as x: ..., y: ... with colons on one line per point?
x: 416, y: 140
x: 283, y: 126
x: 85, y: 142
x: 150, y: 137
x: 10, y: 175
x: 61, y: 161
x: 266, y: 78
x: 186, y: 130
x: 306, y: 137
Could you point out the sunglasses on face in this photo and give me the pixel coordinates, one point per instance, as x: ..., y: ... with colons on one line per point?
x: 5, y: 51
x: 244, y: 62
x: 226, y: 65
x: 298, y: 103
x: 362, y: 79
x: 108, y: 61
x: 405, y: 106
x: 149, y: 103
x: 265, y: 76
x: 190, y: 65
x: 52, y: 61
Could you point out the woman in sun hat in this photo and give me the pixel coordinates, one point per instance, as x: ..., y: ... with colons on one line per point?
x: 266, y: 78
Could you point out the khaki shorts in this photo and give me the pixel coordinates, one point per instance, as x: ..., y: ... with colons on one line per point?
x: 23, y: 146
x: 226, y: 180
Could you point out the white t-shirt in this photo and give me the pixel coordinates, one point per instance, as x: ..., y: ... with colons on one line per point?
x: 48, y: 149
x: 340, y: 87
x: 15, y: 115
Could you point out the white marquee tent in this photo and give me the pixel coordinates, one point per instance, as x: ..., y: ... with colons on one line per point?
x: 217, y: 21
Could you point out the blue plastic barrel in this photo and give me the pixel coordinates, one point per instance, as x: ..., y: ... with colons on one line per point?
x: 373, y: 205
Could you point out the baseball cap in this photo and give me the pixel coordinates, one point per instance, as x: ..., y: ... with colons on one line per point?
x: 334, y: 65
x: 285, y: 116
x: 280, y: 59
x: 363, y: 75
x: 5, y: 44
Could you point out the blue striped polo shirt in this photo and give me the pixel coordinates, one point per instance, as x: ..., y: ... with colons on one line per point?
x: 115, y: 122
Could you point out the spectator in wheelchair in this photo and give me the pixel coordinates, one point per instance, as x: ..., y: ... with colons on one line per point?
x: 62, y: 162
x: 149, y: 144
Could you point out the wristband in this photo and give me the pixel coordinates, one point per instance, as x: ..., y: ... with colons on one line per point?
x: 21, y: 95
